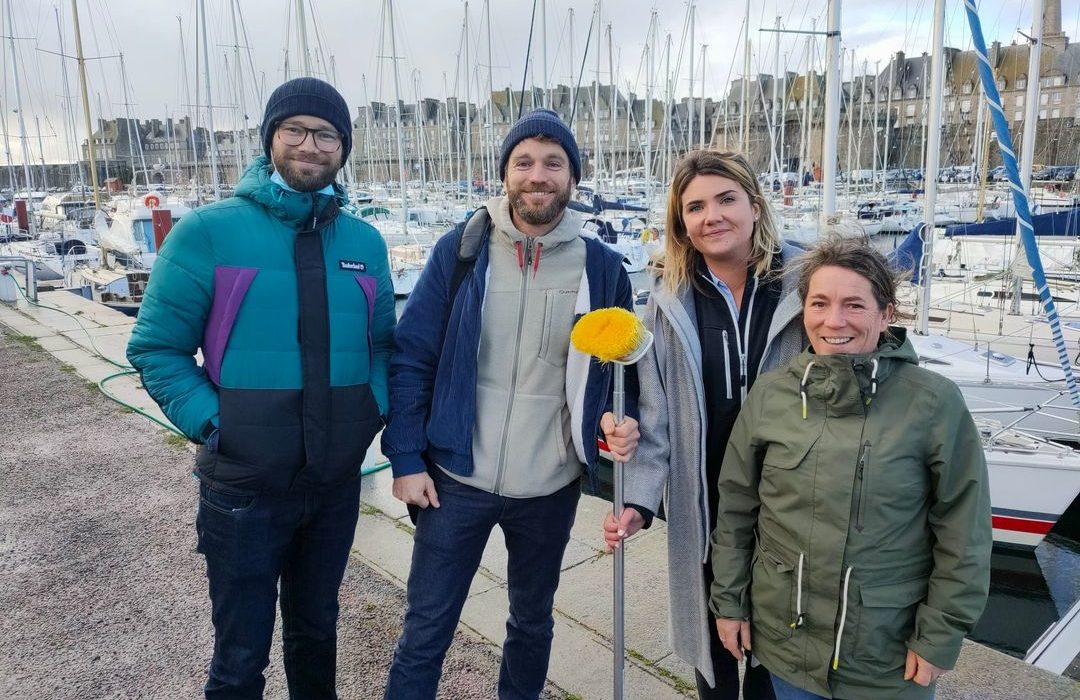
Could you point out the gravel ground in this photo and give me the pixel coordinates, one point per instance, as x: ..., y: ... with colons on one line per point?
x: 102, y: 592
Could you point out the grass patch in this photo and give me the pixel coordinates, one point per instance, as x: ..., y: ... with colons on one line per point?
x: 28, y: 341
x: 367, y: 509
x: 172, y: 438
x: 574, y: 696
x: 680, y: 684
x: 405, y: 527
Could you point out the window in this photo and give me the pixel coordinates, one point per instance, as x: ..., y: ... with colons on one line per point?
x: 1018, y: 116
x: 948, y: 89
x: 910, y: 110
x: 968, y: 88
x: 912, y: 93
x: 1019, y: 100
x: 1042, y: 114
x: 1044, y: 98
x: 965, y: 106
x: 950, y: 105
x: 1057, y: 98
x: 1021, y: 82
x: 1056, y: 114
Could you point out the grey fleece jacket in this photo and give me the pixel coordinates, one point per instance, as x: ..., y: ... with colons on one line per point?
x: 522, y: 440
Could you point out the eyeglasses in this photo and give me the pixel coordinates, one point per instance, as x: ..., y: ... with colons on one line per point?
x: 293, y: 135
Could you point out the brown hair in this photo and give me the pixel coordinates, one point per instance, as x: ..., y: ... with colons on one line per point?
x: 855, y: 254
x: 680, y: 257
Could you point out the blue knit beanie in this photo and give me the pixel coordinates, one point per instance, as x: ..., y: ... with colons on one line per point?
x: 541, y: 122
x: 311, y: 97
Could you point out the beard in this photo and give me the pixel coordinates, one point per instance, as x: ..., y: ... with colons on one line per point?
x: 538, y: 215
x: 305, y: 181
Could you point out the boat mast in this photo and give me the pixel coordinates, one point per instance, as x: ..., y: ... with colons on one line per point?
x: 543, y: 44
x: 690, y: 100
x: 190, y: 122
x: 400, y: 133
x: 240, y: 92
x: 468, y: 116
x: 367, y: 132
x: 888, y: 126
x: 209, y: 104
x: 650, y: 46
x: 1027, y: 146
x: 701, y: 120
x: 776, y: 100
x: 597, y: 159
x: 301, y: 32
x: 70, y: 135
x: 22, y: 122
x: 136, y: 143
x: 86, y: 117
x: 831, y: 131
x: 933, y: 155
x: 744, y: 123
x: 492, y: 167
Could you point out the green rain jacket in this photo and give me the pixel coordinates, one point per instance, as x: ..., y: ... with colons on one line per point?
x: 854, y: 522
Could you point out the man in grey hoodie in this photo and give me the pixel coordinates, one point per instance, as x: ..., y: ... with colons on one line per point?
x: 494, y: 420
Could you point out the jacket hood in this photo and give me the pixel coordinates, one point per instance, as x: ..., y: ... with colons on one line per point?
x: 847, y: 383
x: 293, y: 208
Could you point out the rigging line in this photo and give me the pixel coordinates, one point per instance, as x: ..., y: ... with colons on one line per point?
x: 584, y: 57
x: 525, y: 72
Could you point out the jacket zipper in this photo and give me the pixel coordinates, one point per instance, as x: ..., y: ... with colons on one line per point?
x: 744, y: 378
x: 863, y: 475
x: 497, y: 486
x: 727, y: 363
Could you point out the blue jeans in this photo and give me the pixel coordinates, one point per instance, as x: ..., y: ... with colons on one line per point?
x: 251, y: 542
x: 787, y: 691
x: 447, y: 547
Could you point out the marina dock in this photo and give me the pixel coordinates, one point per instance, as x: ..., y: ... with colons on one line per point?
x: 105, y: 595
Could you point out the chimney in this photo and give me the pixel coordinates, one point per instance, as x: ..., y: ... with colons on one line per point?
x: 1053, y: 37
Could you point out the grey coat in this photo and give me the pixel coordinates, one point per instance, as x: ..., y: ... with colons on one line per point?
x: 671, y: 451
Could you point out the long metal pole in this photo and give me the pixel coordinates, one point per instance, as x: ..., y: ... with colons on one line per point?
x: 888, y: 126
x: 776, y: 156
x: 400, y: 133
x: 468, y: 116
x: 701, y: 120
x: 41, y: 151
x: 744, y: 129
x: 619, y: 410
x: 596, y: 159
x: 240, y: 92
x: 493, y: 172
x: 301, y: 31
x: 831, y: 132
x: 933, y: 155
x: 212, y: 142
x: 690, y: 100
x: 70, y: 135
x: 22, y: 122
x: 1027, y: 144
x: 650, y: 46
x: 543, y: 43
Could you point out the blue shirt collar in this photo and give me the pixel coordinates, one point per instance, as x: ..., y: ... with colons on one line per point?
x: 277, y: 179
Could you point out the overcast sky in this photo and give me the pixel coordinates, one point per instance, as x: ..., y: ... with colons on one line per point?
x: 429, y: 46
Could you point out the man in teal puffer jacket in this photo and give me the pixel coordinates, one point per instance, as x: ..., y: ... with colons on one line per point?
x: 289, y: 299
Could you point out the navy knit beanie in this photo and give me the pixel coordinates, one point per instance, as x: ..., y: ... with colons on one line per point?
x: 311, y: 97
x: 541, y: 122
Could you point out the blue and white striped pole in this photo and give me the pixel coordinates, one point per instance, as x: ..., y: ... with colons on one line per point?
x: 1020, y: 200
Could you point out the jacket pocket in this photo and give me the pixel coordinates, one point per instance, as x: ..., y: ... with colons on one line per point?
x: 788, y: 455
x: 557, y: 324
x: 886, y: 621
x: 772, y: 594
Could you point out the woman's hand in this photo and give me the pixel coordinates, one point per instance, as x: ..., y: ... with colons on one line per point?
x: 615, y: 531
x: 918, y: 669
x: 734, y: 635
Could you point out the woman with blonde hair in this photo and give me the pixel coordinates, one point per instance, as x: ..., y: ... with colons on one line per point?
x: 722, y: 312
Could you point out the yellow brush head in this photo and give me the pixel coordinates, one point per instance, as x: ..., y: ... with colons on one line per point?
x: 609, y: 335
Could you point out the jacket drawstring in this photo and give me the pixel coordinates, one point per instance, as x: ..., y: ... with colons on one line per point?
x: 536, y: 260
x: 873, y: 378
x: 802, y: 387
x: 520, y: 250
x: 798, y: 595
x: 843, y: 619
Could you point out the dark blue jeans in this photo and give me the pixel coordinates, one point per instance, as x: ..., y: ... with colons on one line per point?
x: 251, y: 542
x: 447, y: 547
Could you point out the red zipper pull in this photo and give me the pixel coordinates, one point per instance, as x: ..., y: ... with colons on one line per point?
x: 536, y: 260
x: 520, y: 255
